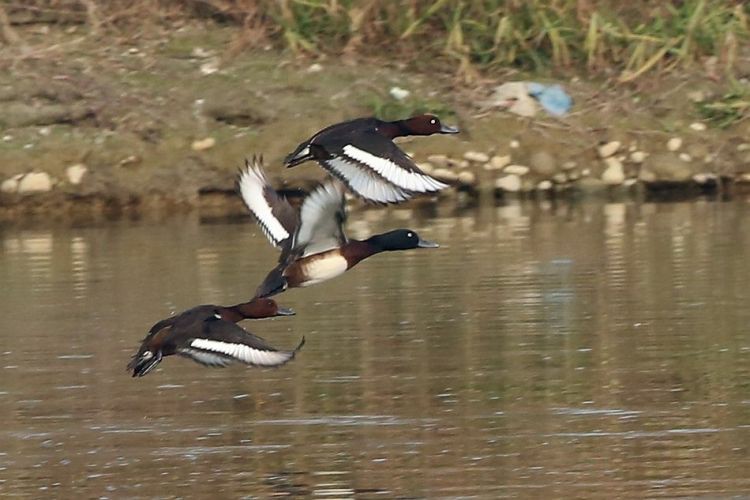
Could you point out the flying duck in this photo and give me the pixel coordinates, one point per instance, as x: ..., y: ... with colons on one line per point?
x: 361, y: 154
x: 313, y: 245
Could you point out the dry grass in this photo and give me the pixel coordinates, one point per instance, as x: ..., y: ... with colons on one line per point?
x: 595, y: 36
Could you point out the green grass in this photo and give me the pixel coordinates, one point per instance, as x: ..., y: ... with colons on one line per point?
x: 629, y: 39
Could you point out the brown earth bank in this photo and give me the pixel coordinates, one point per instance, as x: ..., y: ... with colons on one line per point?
x: 92, y: 125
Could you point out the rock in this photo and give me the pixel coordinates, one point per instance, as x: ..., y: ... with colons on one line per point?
x: 35, y: 182
x: 698, y: 126
x: 542, y: 163
x: 9, y: 185
x: 646, y: 175
x: 426, y: 167
x: 398, y: 93
x: 130, y: 161
x: 498, y: 162
x: 686, y: 157
x: 590, y: 185
x: 314, y: 68
x: 696, y: 96
x: 614, y: 173
x: 745, y: 146
x: 439, y: 160
x: 704, y: 178
x: 510, y: 183
x: 75, y: 173
x: 545, y: 185
x: 674, y: 143
x: 476, y: 157
x: 569, y: 165
x: 668, y: 167
x: 464, y: 164
x: 467, y: 178
x: 210, y: 67
x: 630, y: 182
x: 560, y: 178
x: 203, y: 144
x: 637, y: 156
x: 608, y: 149
x: 445, y: 175
x: 514, y: 144
x: 516, y: 170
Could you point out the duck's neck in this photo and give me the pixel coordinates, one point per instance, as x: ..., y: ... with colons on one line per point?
x: 356, y: 251
x: 393, y: 129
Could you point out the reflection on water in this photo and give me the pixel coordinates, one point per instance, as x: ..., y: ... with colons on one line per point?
x: 566, y: 351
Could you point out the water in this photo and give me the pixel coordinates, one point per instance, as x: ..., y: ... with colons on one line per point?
x: 544, y: 351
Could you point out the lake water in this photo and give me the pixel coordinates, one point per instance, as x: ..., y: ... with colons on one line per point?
x: 580, y: 351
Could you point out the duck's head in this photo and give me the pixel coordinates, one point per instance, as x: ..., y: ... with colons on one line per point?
x: 427, y: 125
x: 267, y: 308
x: 401, y: 239
x: 144, y: 361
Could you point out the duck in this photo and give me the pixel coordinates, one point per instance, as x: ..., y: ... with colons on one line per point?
x: 361, y: 154
x: 209, y: 335
x: 313, y: 245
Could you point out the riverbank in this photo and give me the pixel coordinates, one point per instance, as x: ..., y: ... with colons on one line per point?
x: 163, y: 123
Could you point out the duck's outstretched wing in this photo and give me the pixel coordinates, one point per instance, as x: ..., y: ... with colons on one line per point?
x: 274, y: 215
x: 224, y: 342
x: 321, y: 216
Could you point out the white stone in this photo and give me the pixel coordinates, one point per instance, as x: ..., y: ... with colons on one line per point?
x: 703, y: 178
x: 569, y: 165
x: 203, y: 144
x: 9, y: 185
x: 674, y: 143
x: 608, y: 149
x: 315, y: 68
x: 560, y: 178
x: 586, y: 172
x: 516, y: 170
x: 75, y: 173
x: 445, y: 174
x: 467, y: 178
x: 464, y: 164
x: 398, y: 93
x: 511, y: 183
x: 476, y: 157
x: 630, y: 182
x: 439, y: 160
x: 698, y: 126
x: 35, y: 182
x: 514, y: 144
x: 637, y: 156
x: 544, y: 185
x: 425, y: 167
x: 686, y: 157
x: 745, y: 146
x: 499, y: 162
x: 45, y: 131
x: 614, y: 174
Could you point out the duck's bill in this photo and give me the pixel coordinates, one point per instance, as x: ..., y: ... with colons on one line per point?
x: 446, y: 129
x: 285, y: 311
x: 427, y: 244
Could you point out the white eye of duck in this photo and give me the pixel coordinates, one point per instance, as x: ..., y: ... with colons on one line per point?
x: 409, y: 235
x: 217, y: 315
x: 433, y: 121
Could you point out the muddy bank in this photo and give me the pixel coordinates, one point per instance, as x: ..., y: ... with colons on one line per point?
x: 163, y: 123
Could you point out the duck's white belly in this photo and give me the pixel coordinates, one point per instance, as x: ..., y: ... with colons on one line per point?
x: 319, y: 270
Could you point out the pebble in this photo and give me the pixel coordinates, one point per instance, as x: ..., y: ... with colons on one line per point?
x: 698, y: 126
x: 510, y: 183
x: 637, y: 156
x: 398, y: 93
x: 685, y: 157
x: 630, y: 182
x: 9, y: 185
x: 439, y: 160
x: 646, y: 175
x: 35, y: 182
x: 560, y: 178
x: 614, y: 174
x: 315, y: 68
x: 514, y: 144
x: 476, y: 157
x: 569, y: 165
x: 703, y: 178
x: 608, y: 149
x: 745, y: 146
x: 543, y: 163
x: 425, y: 167
x: 203, y: 144
x: 498, y: 162
x: 467, y: 178
x: 464, y: 164
x: 210, y: 67
x: 674, y: 143
x: 545, y: 185
x: 516, y: 169
x: 75, y: 173
x: 445, y: 175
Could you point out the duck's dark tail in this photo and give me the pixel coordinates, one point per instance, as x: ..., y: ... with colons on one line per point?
x: 299, y: 155
x: 144, y: 361
x: 274, y: 284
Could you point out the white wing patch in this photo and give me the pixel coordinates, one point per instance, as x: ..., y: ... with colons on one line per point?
x: 365, y: 185
x: 243, y: 353
x: 320, y: 217
x: 205, y: 358
x: 405, y: 179
x: 252, y: 184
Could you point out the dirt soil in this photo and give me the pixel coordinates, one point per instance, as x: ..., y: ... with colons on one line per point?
x: 164, y: 122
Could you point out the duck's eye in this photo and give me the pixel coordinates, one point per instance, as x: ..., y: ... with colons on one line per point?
x: 409, y: 235
x: 217, y: 315
x: 433, y: 121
